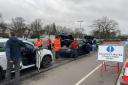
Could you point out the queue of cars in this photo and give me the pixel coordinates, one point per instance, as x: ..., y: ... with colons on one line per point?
x: 44, y: 57
x: 84, y: 46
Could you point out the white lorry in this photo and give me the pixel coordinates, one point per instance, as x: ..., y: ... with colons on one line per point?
x: 30, y: 57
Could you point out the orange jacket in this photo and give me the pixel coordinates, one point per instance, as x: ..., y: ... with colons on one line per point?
x: 57, y: 45
x: 74, y: 45
x: 39, y: 43
x: 48, y: 42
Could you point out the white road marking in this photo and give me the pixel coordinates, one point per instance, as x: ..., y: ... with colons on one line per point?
x: 84, y: 78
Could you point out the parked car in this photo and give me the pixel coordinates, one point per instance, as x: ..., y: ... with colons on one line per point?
x: 93, y: 42
x: 66, y: 39
x: 84, y: 48
x: 29, y: 57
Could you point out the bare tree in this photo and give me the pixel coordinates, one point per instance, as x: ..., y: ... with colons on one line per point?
x: 79, y: 32
x: 47, y: 29
x: 104, y: 27
x: 51, y: 29
x: 64, y: 29
x: 96, y: 33
x: 18, y: 26
x: 1, y: 18
x: 36, y: 25
x: 3, y: 25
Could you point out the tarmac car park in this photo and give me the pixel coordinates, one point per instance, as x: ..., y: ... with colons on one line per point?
x: 30, y: 57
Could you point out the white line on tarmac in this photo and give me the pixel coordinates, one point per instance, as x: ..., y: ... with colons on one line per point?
x: 84, y: 78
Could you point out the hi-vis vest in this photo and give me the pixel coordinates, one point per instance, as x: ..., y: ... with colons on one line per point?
x: 39, y: 43
x: 48, y: 42
x: 57, y: 45
x: 74, y: 45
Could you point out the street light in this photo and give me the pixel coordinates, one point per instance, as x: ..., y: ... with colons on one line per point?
x: 80, y: 22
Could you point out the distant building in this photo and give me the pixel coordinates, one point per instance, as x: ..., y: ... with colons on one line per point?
x: 5, y: 34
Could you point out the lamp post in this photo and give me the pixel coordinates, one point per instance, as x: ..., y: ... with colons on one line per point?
x: 80, y: 21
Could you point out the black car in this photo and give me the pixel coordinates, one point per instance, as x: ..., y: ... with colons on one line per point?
x: 84, y: 48
x: 66, y: 39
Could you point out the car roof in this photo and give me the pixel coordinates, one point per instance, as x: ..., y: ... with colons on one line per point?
x: 3, y: 40
x: 66, y: 36
x: 25, y: 41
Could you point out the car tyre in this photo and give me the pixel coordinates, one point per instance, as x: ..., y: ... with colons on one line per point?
x: 1, y: 74
x: 46, y: 61
x: 87, y: 52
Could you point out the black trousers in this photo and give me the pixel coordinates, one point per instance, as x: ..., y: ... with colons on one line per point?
x: 57, y: 55
x: 74, y: 53
x: 16, y: 64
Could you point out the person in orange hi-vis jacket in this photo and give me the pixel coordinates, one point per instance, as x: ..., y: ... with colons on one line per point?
x: 39, y: 43
x: 49, y: 43
x: 57, y: 46
x: 74, y: 46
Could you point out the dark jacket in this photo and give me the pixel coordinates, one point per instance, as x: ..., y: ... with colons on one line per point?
x: 13, y: 48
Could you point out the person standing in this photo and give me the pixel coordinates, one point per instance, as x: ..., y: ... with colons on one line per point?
x: 13, y: 55
x: 57, y: 46
x: 49, y: 43
x: 94, y: 46
x: 39, y: 43
x: 74, y: 46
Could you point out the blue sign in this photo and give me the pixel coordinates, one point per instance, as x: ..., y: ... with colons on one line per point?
x: 110, y: 49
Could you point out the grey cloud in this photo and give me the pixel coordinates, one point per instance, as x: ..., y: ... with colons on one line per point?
x: 67, y: 12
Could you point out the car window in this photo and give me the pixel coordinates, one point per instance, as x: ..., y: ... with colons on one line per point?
x: 2, y: 47
x: 81, y: 42
x: 29, y: 46
x: 66, y: 37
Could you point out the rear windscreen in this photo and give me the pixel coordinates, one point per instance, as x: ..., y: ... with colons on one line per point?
x: 2, y: 47
x: 66, y: 37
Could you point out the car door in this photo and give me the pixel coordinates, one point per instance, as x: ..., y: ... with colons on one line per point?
x: 38, y: 58
x: 28, y: 55
x: 86, y: 47
x: 81, y: 47
x: 29, y: 48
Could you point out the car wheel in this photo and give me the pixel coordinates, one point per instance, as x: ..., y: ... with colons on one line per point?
x: 1, y: 75
x: 46, y: 61
x: 87, y: 52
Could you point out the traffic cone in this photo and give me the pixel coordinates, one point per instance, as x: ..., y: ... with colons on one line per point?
x: 125, y: 77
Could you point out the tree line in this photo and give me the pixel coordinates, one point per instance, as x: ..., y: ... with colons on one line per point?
x: 35, y: 28
x: 103, y: 28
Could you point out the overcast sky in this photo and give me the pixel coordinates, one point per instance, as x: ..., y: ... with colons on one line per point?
x: 67, y: 12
